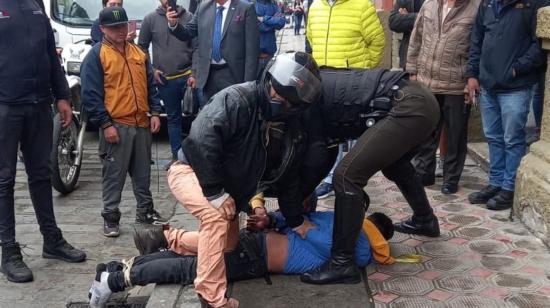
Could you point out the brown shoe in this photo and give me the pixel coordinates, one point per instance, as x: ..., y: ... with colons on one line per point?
x: 231, y: 303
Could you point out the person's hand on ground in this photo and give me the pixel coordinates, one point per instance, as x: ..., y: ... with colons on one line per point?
x: 155, y: 124
x: 65, y: 112
x: 304, y: 228
x: 111, y: 135
x: 228, y: 209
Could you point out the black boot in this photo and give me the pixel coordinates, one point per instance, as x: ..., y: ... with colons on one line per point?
x: 56, y: 247
x: 349, y: 214
x: 12, y: 264
x: 423, y: 221
x: 149, y: 238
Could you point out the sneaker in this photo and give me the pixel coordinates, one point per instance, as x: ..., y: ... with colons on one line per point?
x: 111, y: 229
x: 152, y: 217
x: 101, y: 267
x: 439, y: 169
x: 324, y: 190
x: 501, y: 201
x: 12, y: 264
x: 100, y: 292
x: 482, y: 196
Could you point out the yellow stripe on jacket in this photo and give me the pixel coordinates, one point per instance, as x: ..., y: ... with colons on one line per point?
x: 379, y: 247
x: 348, y: 34
x: 125, y: 84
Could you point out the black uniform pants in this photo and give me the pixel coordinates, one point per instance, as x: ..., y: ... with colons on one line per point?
x: 455, y: 114
x: 387, y: 146
x: 30, y: 128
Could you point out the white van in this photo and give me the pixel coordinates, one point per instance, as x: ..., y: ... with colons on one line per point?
x: 72, y: 19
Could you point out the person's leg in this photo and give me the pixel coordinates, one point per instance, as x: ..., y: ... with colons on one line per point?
x: 181, y: 241
x: 415, y: 117
x: 456, y: 115
x: 211, y: 282
x: 425, y: 160
x: 115, y: 159
x: 442, y: 151
x: 326, y: 189
x: 11, y: 126
x: 172, y: 94
x: 218, y: 79
x: 514, y: 108
x: 36, y: 145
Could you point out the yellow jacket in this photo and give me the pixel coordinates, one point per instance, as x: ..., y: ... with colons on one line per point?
x: 348, y: 34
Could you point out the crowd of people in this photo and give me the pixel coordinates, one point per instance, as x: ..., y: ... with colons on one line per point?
x: 269, y: 125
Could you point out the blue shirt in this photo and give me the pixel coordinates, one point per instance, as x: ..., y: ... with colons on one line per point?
x: 273, y: 20
x: 310, y: 253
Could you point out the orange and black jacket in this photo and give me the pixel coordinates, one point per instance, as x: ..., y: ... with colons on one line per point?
x: 117, y: 87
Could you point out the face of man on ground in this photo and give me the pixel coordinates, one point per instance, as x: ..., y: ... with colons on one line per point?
x: 113, y: 3
x: 277, y: 98
x: 116, y: 34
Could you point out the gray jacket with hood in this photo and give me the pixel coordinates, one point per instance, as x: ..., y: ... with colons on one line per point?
x: 170, y: 55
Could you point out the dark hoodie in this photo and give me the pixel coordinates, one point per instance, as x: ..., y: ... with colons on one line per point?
x: 170, y: 55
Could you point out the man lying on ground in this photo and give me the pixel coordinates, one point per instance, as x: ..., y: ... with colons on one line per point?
x: 168, y: 255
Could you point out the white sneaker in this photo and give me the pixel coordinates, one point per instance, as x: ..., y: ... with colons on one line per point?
x: 100, y: 291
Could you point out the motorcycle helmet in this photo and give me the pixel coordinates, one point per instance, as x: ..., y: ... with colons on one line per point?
x: 295, y: 77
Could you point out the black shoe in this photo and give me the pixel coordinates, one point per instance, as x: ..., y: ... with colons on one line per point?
x: 449, y: 188
x: 427, y: 226
x: 428, y: 179
x: 502, y: 201
x: 56, y: 247
x: 12, y: 264
x: 349, y: 213
x: 482, y: 196
x: 111, y: 228
x: 149, y: 238
x: 151, y: 217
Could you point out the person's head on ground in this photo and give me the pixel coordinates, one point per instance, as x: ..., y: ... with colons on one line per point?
x: 383, y: 223
x: 292, y: 83
x: 113, y: 22
x: 112, y: 3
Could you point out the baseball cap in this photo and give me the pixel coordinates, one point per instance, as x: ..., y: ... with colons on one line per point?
x: 112, y: 16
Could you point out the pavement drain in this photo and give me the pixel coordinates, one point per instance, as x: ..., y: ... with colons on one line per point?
x: 528, y: 300
x: 514, y: 281
x: 488, y: 247
x: 463, y: 219
x: 473, y: 232
x: 499, y: 263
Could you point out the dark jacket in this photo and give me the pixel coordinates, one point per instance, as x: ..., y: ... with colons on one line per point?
x: 95, y: 32
x: 170, y: 55
x: 226, y: 148
x: 503, y: 40
x: 240, y: 45
x: 273, y: 20
x: 404, y: 23
x: 30, y: 71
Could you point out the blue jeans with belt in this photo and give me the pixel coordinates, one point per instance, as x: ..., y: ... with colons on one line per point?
x: 504, y: 115
x: 172, y: 92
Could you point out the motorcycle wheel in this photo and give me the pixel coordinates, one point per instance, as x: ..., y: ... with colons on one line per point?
x: 64, y: 171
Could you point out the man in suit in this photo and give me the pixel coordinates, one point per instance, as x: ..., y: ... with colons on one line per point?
x: 228, y: 43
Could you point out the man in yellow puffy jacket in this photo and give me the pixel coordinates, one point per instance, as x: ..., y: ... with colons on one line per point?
x: 342, y: 34
x: 345, y: 33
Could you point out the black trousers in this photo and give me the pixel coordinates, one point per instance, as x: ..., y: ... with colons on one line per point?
x: 455, y: 114
x: 389, y: 144
x: 30, y: 128
x: 219, y: 78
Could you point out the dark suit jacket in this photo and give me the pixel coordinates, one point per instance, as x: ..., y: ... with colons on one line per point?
x: 240, y: 40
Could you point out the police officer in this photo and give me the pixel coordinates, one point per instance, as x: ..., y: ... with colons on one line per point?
x: 390, y: 116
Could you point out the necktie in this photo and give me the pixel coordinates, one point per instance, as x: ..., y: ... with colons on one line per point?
x: 217, y: 39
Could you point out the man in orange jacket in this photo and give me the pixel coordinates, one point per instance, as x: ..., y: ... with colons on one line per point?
x: 118, y: 93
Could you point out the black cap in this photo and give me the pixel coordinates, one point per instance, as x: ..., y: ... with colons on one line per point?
x: 112, y: 16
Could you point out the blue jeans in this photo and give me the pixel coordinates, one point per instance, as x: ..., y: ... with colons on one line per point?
x: 504, y: 115
x: 351, y: 143
x: 172, y: 94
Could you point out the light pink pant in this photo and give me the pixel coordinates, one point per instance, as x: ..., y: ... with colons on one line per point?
x: 211, y: 282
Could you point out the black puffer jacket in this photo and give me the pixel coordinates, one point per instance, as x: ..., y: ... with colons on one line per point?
x: 30, y: 70
x: 226, y: 148
x: 404, y: 23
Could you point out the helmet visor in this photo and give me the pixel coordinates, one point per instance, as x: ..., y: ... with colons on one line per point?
x: 289, y: 73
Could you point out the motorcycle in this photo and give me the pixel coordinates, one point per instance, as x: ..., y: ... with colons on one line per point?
x: 68, y: 142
